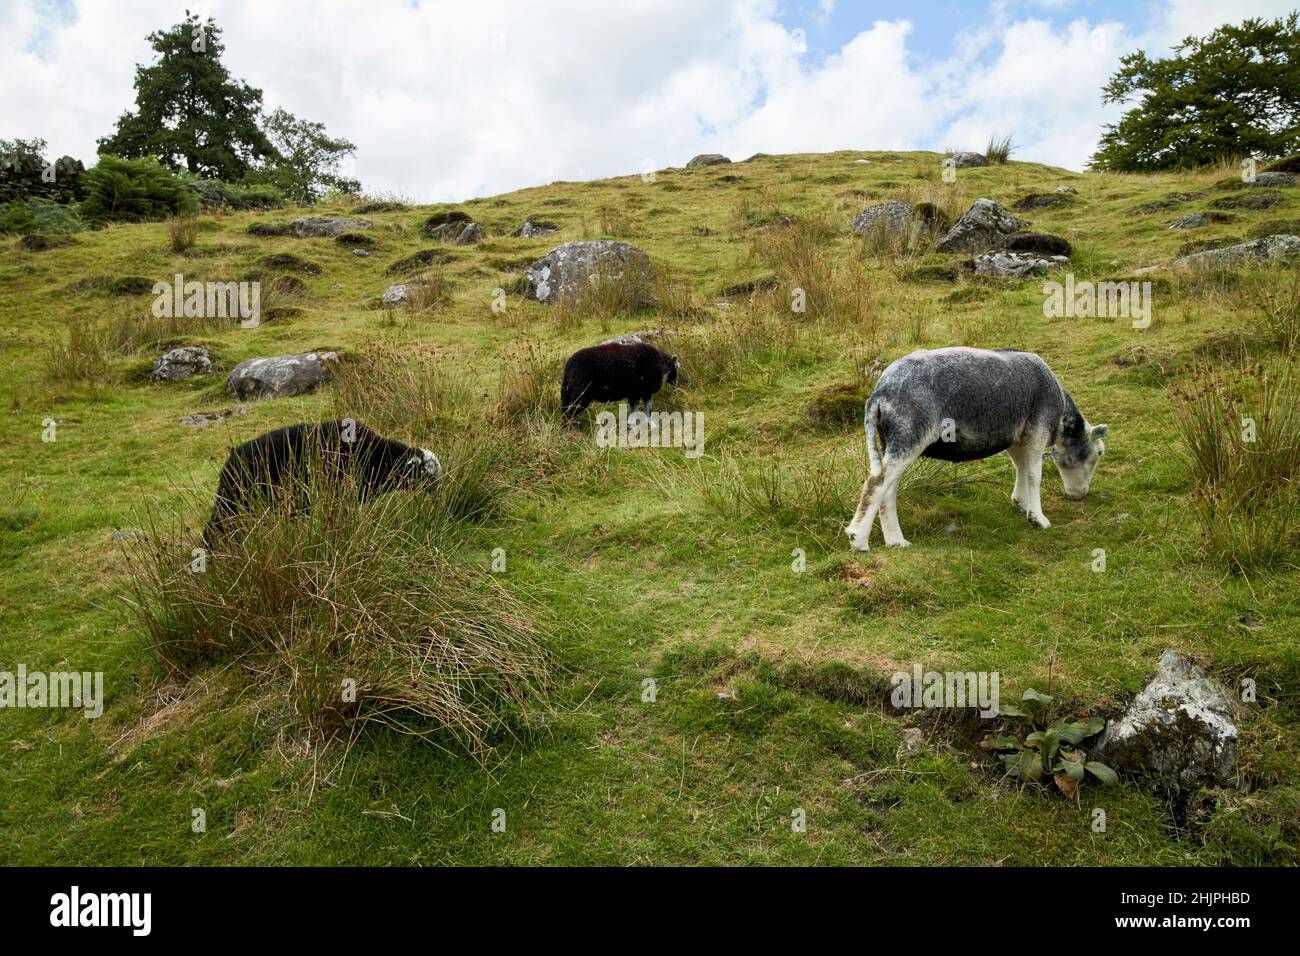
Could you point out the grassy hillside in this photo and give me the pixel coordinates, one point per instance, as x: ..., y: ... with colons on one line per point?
x: 636, y: 564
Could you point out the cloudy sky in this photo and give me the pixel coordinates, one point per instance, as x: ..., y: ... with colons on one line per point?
x: 448, y: 99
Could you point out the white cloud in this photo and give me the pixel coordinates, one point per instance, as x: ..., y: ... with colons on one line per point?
x: 446, y: 100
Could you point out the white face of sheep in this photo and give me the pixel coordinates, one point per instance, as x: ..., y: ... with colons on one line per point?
x: 1077, y: 464
x: 424, y: 466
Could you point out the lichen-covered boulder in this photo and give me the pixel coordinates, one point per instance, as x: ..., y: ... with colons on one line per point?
x: 708, y: 159
x: 1269, y: 247
x: 1015, y: 264
x: 326, y: 226
x: 280, y: 376
x: 1181, y: 728
x: 985, y: 225
x: 968, y: 160
x: 396, y: 294
x: 182, y: 363
x: 567, y: 269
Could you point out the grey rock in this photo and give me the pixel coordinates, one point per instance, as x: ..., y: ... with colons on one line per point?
x: 531, y: 229
x: 1181, y: 727
x: 280, y: 376
x: 1195, y: 221
x: 1270, y: 247
x: 1067, y: 189
x: 708, y: 159
x: 361, y: 253
x: 1259, y: 200
x: 1015, y: 264
x: 182, y: 363
x: 985, y: 225
x: 894, y: 216
x: 567, y: 269
x: 632, y: 338
x: 326, y: 226
x: 1274, y: 179
x: 968, y: 160
x: 469, y: 235
x: 447, y: 226
x: 396, y: 294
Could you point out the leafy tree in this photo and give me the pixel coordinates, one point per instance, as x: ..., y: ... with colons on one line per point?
x: 306, y: 161
x: 11, y: 147
x: 189, y: 111
x: 1234, y: 92
x: 133, y: 190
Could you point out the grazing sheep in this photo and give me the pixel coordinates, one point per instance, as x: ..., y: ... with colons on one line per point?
x: 962, y: 404
x: 270, y: 460
x: 614, y: 372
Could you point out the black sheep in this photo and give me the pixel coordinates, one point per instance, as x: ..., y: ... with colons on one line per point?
x: 282, y: 456
x: 615, y: 372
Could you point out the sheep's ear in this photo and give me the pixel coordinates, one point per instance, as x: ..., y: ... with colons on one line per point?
x: 1098, y: 432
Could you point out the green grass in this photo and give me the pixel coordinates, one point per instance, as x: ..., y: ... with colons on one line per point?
x: 644, y: 565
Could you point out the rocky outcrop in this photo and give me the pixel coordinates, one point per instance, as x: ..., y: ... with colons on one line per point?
x: 1181, y: 728
x: 1270, y: 247
x: 532, y: 228
x: 968, y: 160
x: 566, y: 270
x: 280, y: 376
x: 708, y: 159
x: 1015, y: 264
x: 182, y: 363
x: 454, y: 227
x: 897, y: 218
x: 1274, y: 179
x: 984, y: 226
x: 313, y: 227
x: 1259, y: 200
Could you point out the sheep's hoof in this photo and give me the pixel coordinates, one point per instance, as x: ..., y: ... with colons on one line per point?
x: 900, y: 543
x: 1017, y: 503
x: 858, y: 542
x: 1039, y: 521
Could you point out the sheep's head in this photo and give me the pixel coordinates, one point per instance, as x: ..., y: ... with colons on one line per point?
x: 674, y: 366
x: 421, y: 470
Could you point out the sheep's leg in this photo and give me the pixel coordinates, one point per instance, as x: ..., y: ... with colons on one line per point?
x: 1034, y: 488
x: 889, y: 527
x: 859, y: 529
x: 1019, y: 458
